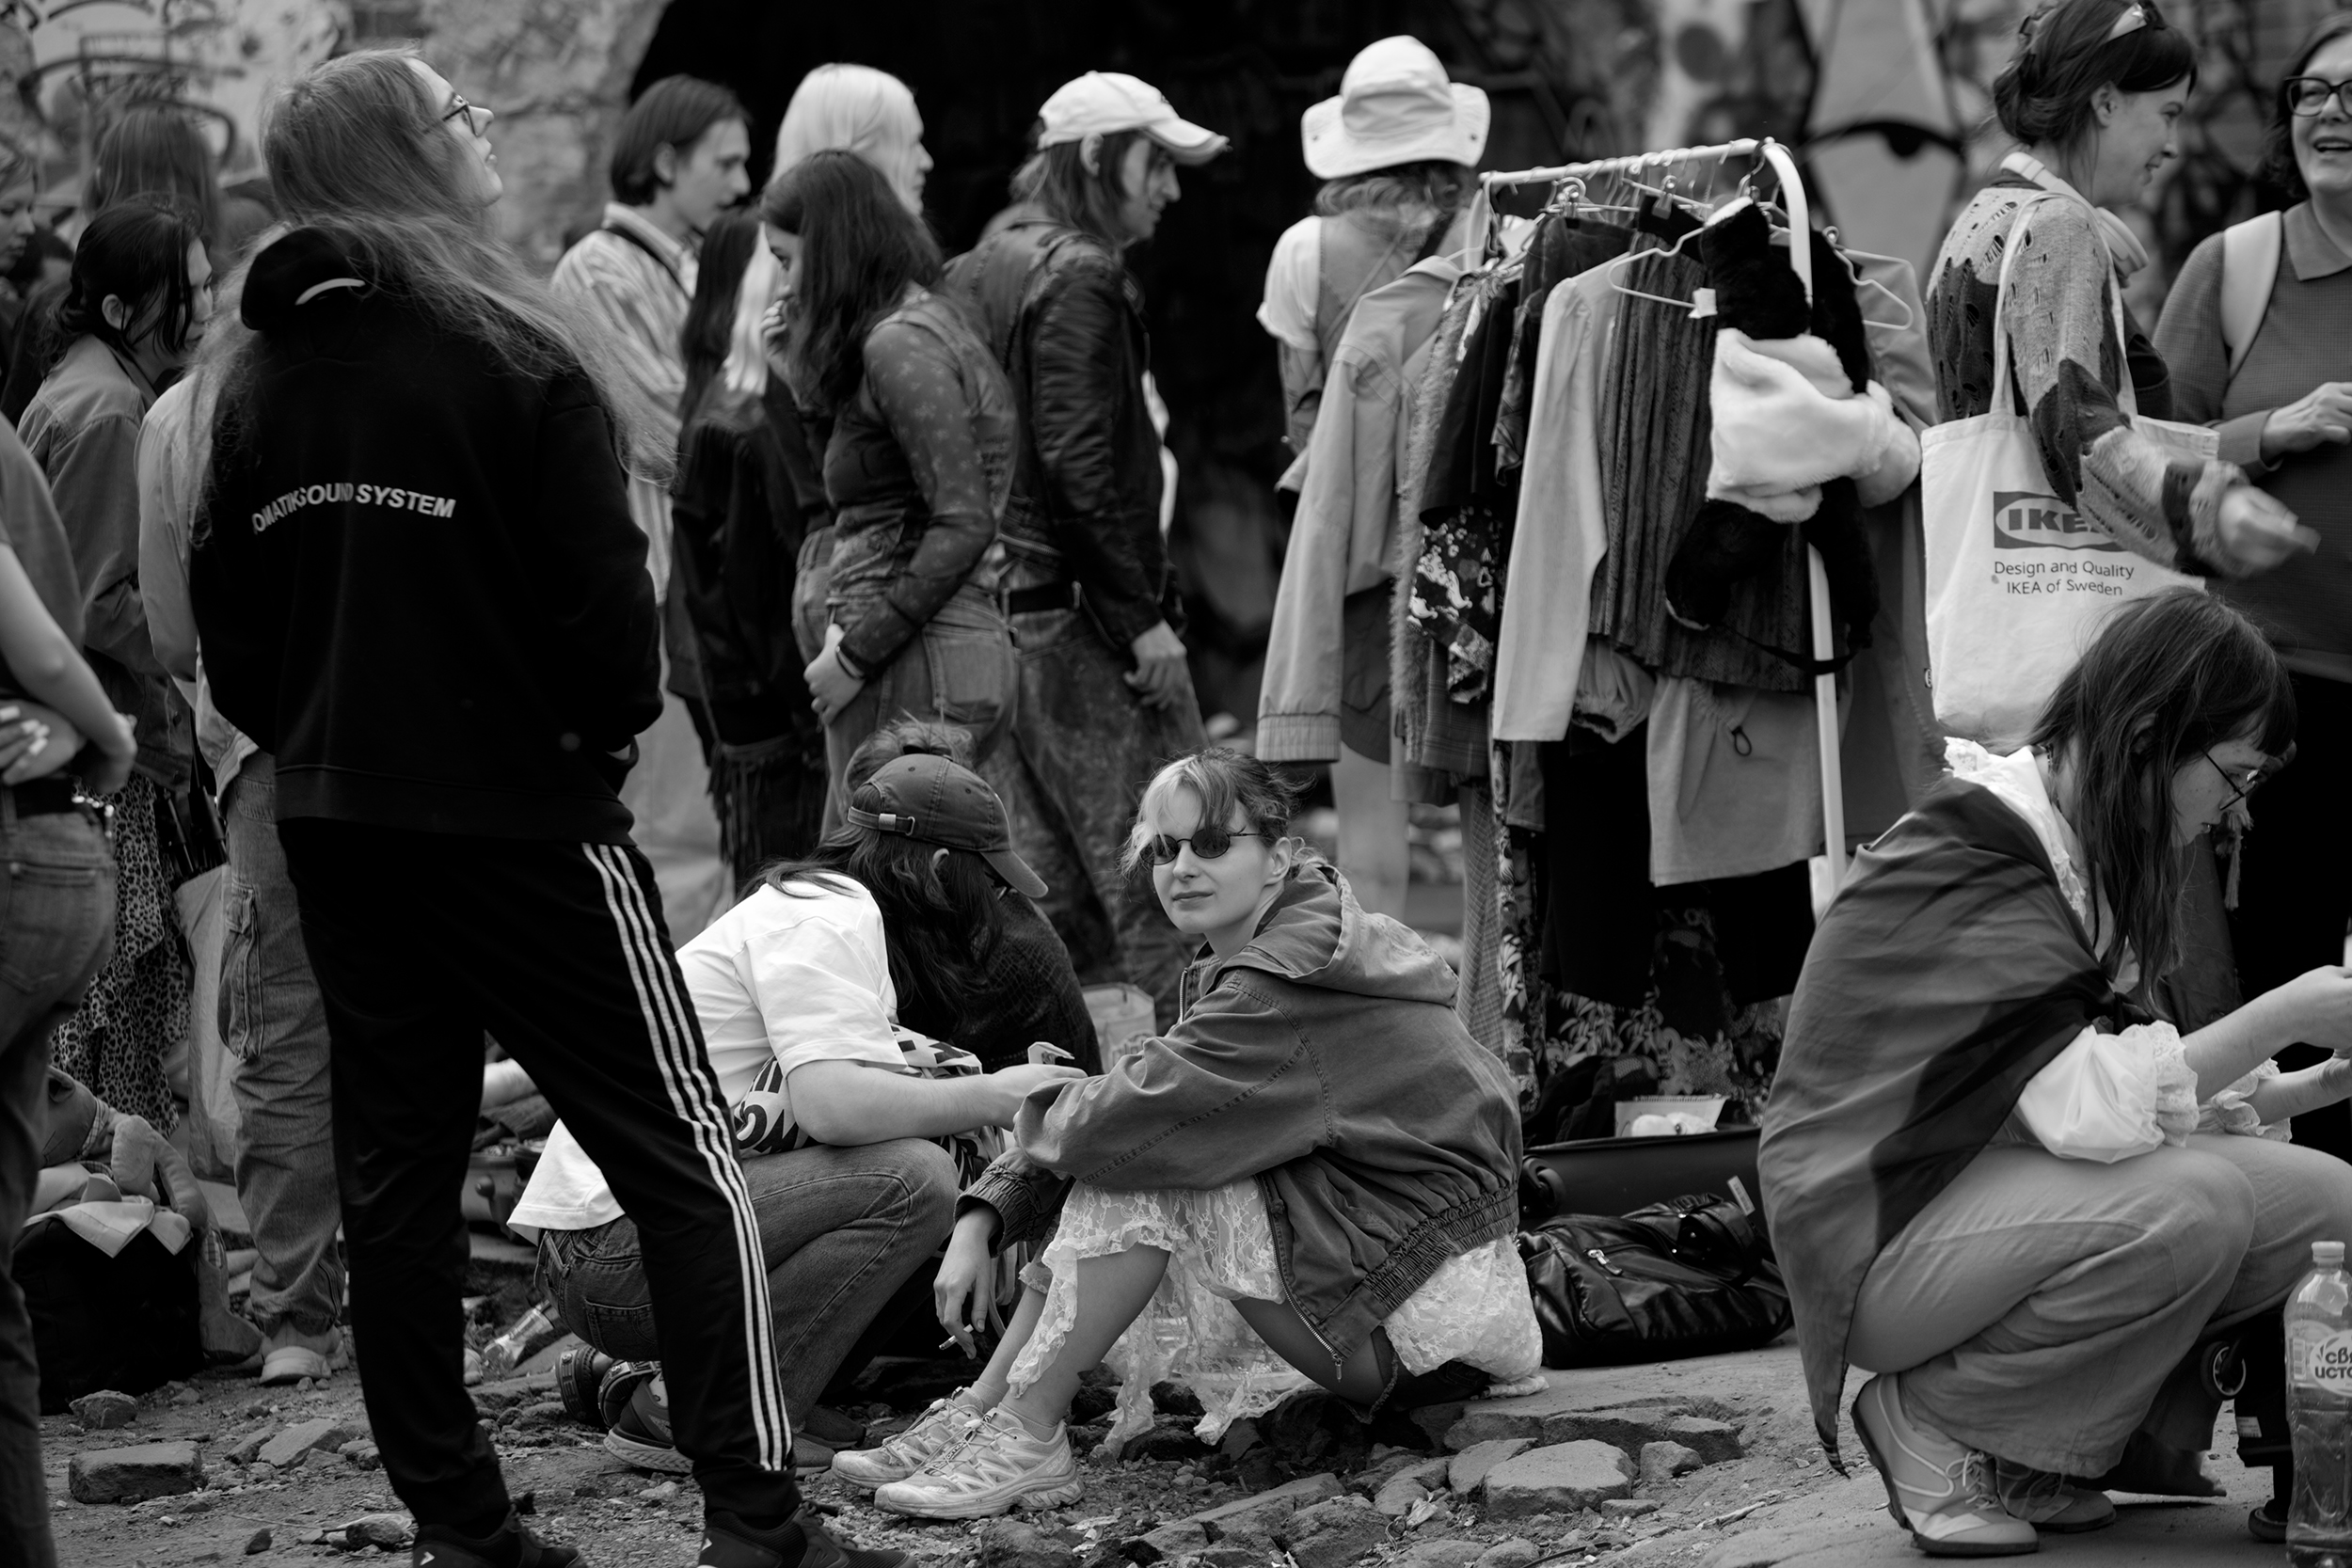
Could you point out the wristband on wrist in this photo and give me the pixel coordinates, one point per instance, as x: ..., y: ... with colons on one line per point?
x: 849, y: 666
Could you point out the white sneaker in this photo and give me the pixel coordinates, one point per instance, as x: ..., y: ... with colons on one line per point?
x: 900, y: 1457
x: 1939, y: 1490
x: 994, y: 1465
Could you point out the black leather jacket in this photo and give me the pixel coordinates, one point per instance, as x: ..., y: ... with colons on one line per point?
x: 1063, y: 317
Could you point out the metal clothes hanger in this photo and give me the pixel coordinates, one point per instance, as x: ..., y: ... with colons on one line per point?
x: 1861, y: 283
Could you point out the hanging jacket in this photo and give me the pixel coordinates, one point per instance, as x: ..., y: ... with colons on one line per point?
x: 416, y: 581
x: 1063, y: 317
x: 1323, y: 1059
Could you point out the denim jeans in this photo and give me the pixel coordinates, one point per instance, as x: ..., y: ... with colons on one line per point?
x: 840, y: 1228
x: 1083, y: 749
x: 959, y: 669
x: 56, y: 931
x: 273, y: 1021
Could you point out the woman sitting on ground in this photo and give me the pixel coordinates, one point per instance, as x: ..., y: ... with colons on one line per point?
x: 1993, y: 1179
x: 798, y: 990
x: 1345, y: 1174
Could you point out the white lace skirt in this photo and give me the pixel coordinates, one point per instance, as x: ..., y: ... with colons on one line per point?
x: 1221, y: 1249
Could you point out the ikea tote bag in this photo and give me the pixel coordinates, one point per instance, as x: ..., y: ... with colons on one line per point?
x: 2017, y: 582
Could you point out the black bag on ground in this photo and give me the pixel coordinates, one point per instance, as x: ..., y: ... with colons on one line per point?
x: 128, y: 1321
x: 1692, y: 1276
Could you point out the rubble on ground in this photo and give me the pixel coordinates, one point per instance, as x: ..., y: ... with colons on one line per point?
x: 226, y: 1470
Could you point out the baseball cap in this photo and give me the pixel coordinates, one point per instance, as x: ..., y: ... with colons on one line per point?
x: 1103, y: 101
x: 934, y: 800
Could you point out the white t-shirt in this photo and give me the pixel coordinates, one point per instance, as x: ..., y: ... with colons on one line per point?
x: 781, y: 979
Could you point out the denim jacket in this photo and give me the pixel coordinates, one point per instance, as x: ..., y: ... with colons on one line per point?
x: 1323, y: 1059
x: 1344, y: 538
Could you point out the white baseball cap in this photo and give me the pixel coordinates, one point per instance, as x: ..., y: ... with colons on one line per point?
x: 1396, y: 106
x: 1103, y: 102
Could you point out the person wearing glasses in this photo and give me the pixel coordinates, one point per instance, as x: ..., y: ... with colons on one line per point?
x: 1996, y: 1178
x: 419, y: 587
x: 1316, y: 1159
x: 2282, y: 401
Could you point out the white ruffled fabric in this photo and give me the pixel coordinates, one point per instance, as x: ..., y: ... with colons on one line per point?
x: 2105, y: 1096
x: 1220, y: 1246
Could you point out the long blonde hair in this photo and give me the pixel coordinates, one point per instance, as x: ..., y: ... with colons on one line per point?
x: 354, y: 146
x: 853, y: 108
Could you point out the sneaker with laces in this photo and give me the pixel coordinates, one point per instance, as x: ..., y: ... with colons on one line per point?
x: 729, y: 1542
x: 1940, y: 1491
x: 440, y: 1546
x: 994, y: 1465
x: 2048, y: 1501
x: 900, y: 1457
x: 640, y: 1436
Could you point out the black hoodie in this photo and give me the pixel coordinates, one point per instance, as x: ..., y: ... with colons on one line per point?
x: 417, y: 583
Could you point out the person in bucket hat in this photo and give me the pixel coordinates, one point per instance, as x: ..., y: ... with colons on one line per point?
x: 1395, y: 150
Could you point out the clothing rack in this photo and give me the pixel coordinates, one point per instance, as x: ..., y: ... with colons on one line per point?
x: 1792, y: 200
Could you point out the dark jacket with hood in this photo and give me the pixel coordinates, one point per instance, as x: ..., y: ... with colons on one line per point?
x: 1059, y: 310
x: 1326, y: 1060
x: 416, y: 580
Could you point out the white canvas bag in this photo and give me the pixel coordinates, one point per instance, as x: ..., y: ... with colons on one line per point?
x: 2017, y: 582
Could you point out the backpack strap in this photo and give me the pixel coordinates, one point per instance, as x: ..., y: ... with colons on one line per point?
x: 2249, y: 268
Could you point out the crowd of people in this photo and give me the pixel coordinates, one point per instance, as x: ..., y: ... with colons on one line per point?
x: 414, y: 598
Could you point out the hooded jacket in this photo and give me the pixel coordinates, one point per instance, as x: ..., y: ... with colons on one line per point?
x: 416, y: 581
x: 1323, y: 1059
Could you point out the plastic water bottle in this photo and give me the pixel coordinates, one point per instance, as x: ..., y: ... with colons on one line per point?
x: 2319, y: 1409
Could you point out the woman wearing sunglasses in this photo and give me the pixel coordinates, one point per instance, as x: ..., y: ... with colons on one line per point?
x: 1317, y: 1145
x: 1997, y: 1176
x: 2256, y: 332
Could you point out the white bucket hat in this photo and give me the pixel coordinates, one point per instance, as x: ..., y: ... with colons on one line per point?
x: 1396, y: 106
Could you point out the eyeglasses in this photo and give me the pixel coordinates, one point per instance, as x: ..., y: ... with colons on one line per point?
x: 2309, y: 95
x: 2239, y: 788
x: 458, y: 106
x: 1208, y: 844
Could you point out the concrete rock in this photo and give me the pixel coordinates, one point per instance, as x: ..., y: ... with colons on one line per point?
x: 1180, y: 1539
x: 135, y: 1474
x: 258, y: 1541
x: 248, y: 1449
x: 1662, y: 1462
x: 1629, y: 1508
x: 388, y: 1531
x: 1239, y: 1438
x: 539, y: 1416
x: 1513, y: 1553
x: 303, y: 1436
x: 1445, y: 1552
x: 1401, y: 1490
x: 1332, y: 1533
x: 1469, y: 1468
x: 1558, y: 1478
x: 105, y: 1410
x: 1712, y: 1441
x: 366, y: 1455
x: 1008, y: 1543
x: 1259, y: 1516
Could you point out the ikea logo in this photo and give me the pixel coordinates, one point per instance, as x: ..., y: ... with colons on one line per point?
x: 2030, y: 520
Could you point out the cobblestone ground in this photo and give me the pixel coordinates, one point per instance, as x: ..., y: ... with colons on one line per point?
x: 301, y: 1512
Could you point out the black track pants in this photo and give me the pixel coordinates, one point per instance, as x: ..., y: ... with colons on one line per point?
x: 423, y: 940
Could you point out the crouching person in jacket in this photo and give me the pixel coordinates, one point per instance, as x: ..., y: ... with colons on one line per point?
x: 1317, y: 1142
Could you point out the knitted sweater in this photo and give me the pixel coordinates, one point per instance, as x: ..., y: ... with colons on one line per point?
x: 2066, y: 364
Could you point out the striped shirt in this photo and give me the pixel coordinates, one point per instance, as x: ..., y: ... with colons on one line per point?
x: 636, y: 286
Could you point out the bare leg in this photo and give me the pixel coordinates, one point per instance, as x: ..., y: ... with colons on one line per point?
x: 1361, y: 1381
x: 990, y: 1386
x: 1374, y: 851
x: 1111, y: 1291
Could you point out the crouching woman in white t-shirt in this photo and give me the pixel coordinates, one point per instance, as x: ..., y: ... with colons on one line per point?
x: 798, y: 990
